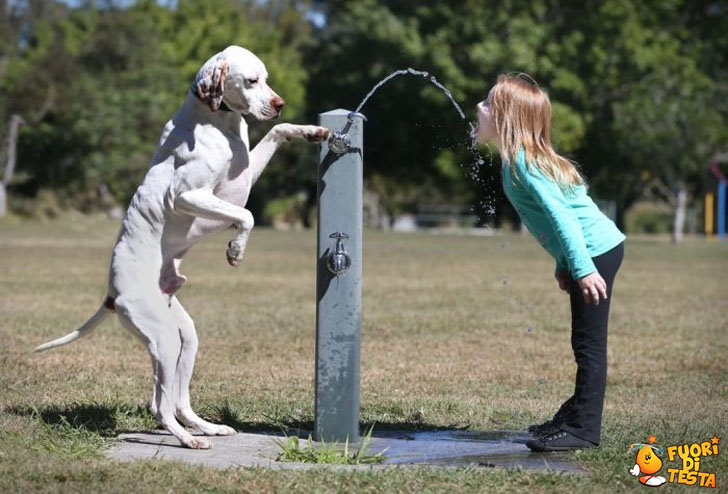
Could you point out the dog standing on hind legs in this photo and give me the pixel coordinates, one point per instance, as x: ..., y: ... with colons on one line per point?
x: 198, y: 183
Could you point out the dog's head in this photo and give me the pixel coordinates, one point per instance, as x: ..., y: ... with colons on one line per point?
x: 238, y: 77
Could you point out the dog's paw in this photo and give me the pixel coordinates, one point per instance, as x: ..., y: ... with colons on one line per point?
x: 224, y: 430
x: 234, y: 253
x: 210, y: 429
x: 313, y: 133
x: 198, y: 443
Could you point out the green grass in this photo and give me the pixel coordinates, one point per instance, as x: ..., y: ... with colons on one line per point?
x: 328, y: 453
x: 445, y: 343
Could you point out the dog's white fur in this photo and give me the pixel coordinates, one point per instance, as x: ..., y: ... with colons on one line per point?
x: 198, y: 183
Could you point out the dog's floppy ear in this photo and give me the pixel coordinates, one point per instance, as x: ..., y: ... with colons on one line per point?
x: 211, y: 85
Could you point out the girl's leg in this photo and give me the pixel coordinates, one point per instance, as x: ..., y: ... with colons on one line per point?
x: 564, y: 410
x: 589, y: 342
x: 552, y: 425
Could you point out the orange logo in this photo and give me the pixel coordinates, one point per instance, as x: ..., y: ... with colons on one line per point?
x: 648, y: 463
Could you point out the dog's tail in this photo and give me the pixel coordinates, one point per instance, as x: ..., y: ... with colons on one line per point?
x: 95, y: 320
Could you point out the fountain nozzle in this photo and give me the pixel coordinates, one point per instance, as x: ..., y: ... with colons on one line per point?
x: 338, y: 261
x: 350, y: 117
x: 339, y: 142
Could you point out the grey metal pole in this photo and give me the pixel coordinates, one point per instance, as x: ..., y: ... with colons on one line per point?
x: 338, y: 281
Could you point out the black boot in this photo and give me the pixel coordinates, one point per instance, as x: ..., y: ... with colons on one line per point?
x: 552, y: 426
x: 546, y: 429
x: 560, y: 441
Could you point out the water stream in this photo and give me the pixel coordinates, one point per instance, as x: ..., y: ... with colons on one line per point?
x: 473, y: 169
x: 411, y: 71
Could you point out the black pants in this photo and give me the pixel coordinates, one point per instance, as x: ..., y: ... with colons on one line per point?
x: 581, y: 415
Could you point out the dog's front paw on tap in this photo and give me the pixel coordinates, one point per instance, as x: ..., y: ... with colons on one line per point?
x: 313, y: 133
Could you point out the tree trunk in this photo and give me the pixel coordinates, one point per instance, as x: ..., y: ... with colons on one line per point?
x: 10, y: 154
x: 3, y: 200
x: 680, y: 206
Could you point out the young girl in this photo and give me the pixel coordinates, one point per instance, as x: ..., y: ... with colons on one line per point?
x: 551, y: 198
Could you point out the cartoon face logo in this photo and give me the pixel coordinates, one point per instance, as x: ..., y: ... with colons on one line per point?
x: 647, y: 463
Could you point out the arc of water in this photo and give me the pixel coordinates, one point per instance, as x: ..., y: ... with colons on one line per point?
x: 412, y: 71
x: 473, y: 170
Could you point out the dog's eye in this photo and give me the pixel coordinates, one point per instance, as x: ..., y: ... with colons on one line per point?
x: 252, y: 81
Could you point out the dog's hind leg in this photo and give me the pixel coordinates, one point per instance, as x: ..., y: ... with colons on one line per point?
x: 151, y: 319
x: 153, y: 402
x: 185, y: 365
x: 204, y: 204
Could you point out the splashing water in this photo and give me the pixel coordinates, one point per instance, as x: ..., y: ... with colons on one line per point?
x: 484, y: 182
x: 411, y: 71
x: 473, y: 169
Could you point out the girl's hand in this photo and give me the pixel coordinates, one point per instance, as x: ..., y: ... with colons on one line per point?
x: 593, y: 287
x: 563, y: 280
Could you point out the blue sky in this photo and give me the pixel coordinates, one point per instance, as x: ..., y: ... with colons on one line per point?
x: 317, y: 18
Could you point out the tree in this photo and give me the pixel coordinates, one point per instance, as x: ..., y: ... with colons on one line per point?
x: 10, y: 158
x: 416, y: 142
x: 637, y: 61
x: 669, y: 122
x: 27, y: 93
x: 119, y: 72
x: 591, y: 57
x: 107, y: 76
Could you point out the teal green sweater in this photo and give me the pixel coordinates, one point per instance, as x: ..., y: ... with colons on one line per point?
x: 569, y: 226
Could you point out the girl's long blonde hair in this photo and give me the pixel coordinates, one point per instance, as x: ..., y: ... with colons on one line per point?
x: 521, y: 113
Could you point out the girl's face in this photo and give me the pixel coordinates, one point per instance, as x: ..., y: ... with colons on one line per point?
x: 485, y: 131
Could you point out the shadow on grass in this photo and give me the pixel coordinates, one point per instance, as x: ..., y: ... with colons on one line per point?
x: 105, y: 420
x: 291, y: 426
x: 110, y: 420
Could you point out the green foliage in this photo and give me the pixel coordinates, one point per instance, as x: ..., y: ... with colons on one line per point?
x: 113, y: 77
x: 637, y: 88
x: 603, y: 63
x: 668, y: 121
x: 45, y: 205
x: 649, y: 218
x: 328, y: 453
x: 290, y: 210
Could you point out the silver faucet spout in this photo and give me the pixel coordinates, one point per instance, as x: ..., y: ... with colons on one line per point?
x: 340, y: 142
x: 355, y: 114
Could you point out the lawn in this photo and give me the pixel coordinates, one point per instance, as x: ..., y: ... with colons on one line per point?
x: 458, y: 331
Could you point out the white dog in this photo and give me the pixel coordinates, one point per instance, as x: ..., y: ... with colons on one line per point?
x: 198, y: 183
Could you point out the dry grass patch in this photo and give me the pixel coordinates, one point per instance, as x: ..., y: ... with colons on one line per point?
x: 457, y: 331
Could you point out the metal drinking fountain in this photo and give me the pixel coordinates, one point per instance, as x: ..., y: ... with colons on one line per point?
x: 339, y: 260
x: 339, y: 278
x: 338, y: 274
x: 340, y: 142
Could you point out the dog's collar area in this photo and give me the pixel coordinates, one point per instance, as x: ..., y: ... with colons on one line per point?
x: 223, y: 106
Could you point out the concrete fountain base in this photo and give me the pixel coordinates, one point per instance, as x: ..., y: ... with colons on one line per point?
x: 445, y: 448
